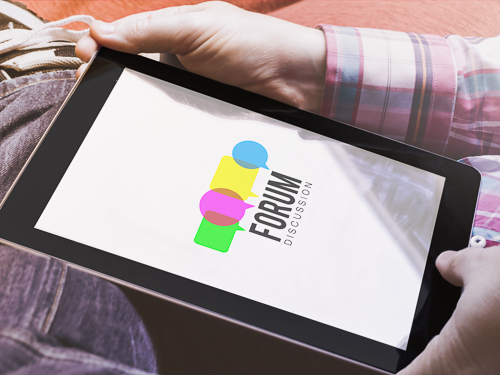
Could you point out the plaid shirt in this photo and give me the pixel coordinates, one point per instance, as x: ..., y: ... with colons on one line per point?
x: 441, y: 94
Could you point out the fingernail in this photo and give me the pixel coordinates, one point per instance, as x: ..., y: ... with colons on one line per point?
x: 105, y: 28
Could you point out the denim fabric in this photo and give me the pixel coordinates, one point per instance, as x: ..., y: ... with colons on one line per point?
x: 29, y: 352
x: 55, y: 319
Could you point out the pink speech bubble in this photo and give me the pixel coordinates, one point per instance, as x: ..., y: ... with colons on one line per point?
x: 223, y: 204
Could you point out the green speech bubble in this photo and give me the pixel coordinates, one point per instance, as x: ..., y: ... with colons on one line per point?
x: 216, y: 237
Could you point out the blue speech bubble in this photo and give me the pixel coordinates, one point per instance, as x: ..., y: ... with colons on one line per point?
x: 250, y: 155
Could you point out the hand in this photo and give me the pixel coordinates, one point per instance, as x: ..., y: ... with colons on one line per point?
x: 258, y: 53
x: 470, y: 341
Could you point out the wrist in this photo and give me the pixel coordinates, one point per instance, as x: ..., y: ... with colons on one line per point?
x: 303, y: 70
x: 293, y: 66
x: 312, y: 78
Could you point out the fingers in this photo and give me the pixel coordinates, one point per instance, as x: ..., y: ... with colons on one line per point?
x: 86, y: 47
x: 80, y: 70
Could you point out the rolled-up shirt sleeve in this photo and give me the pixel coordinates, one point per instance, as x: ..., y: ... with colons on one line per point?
x: 437, y: 93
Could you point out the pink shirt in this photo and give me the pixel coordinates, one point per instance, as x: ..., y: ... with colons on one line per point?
x: 438, y: 93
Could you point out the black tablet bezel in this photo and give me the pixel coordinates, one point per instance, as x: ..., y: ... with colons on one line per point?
x: 27, y: 200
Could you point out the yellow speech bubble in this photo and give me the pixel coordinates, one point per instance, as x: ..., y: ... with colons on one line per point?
x: 230, y: 175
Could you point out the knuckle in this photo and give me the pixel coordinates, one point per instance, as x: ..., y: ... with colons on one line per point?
x: 455, y: 262
x: 140, y: 30
x: 473, y: 260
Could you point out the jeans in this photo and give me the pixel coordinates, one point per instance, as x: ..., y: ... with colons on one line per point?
x: 55, y: 319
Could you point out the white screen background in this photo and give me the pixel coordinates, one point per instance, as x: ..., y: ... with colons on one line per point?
x: 358, y: 257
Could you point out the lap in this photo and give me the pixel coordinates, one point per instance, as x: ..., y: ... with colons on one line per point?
x: 43, y: 299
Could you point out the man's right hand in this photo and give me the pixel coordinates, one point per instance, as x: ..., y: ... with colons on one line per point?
x: 469, y: 344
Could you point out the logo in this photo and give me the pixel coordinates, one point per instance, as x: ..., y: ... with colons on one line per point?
x: 223, y: 206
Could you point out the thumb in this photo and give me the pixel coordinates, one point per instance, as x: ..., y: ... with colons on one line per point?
x: 435, y: 359
x: 440, y: 355
x: 160, y: 31
x: 453, y: 266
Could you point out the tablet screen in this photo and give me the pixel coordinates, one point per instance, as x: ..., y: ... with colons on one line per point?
x: 250, y: 205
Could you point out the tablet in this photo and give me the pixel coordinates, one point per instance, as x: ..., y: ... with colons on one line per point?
x: 244, y: 207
